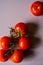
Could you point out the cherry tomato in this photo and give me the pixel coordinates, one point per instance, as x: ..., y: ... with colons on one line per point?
x: 37, y: 8
x: 24, y: 43
x: 21, y: 29
x: 17, y: 56
x: 3, y: 57
x: 0, y: 45
x: 5, y: 41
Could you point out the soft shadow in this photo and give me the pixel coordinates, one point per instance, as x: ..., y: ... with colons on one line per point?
x: 32, y: 28
x: 35, y: 41
x: 29, y: 54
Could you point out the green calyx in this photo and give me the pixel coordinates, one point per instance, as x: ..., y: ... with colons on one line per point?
x: 19, y: 34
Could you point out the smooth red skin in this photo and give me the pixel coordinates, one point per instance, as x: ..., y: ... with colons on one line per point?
x: 17, y: 56
x: 21, y: 27
x: 24, y: 43
x: 2, y: 58
x: 5, y: 41
x: 0, y: 44
x: 35, y: 10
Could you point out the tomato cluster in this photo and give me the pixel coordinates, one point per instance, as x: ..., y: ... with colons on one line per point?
x: 19, y: 35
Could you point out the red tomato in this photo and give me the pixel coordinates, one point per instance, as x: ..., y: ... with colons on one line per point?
x: 37, y: 8
x: 2, y: 56
x: 5, y: 41
x: 21, y: 29
x: 17, y: 56
x: 24, y: 43
x: 0, y: 44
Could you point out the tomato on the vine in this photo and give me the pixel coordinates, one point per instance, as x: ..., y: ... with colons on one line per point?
x: 3, y: 57
x: 37, y: 8
x: 17, y: 56
x: 5, y: 41
x: 21, y: 29
x: 24, y: 43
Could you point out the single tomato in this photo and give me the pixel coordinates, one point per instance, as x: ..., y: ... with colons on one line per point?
x: 17, y: 56
x: 24, y: 43
x: 21, y: 29
x: 0, y: 45
x: 5, y: 41
x: 37, y: 8
x: 3, y: 56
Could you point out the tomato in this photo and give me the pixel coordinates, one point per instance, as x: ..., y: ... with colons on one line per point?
x: 3, y: 58
x: 24, y: 43
x: 0, y: 44
x: 5, y: 41
x: 17, y: 56
x: 37, y: 8
x: 21, y: 29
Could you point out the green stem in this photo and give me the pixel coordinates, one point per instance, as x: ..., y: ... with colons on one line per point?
x: 6, y: 53
x: 13, y: 46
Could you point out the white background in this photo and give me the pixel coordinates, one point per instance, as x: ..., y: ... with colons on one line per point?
x: 14, y: 11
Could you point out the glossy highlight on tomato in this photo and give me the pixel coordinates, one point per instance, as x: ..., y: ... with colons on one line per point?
x: 21, y: 29
x: 24, y: 43
x: 5, y: 41
x: 37, y: 8
x: 17, y: 56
